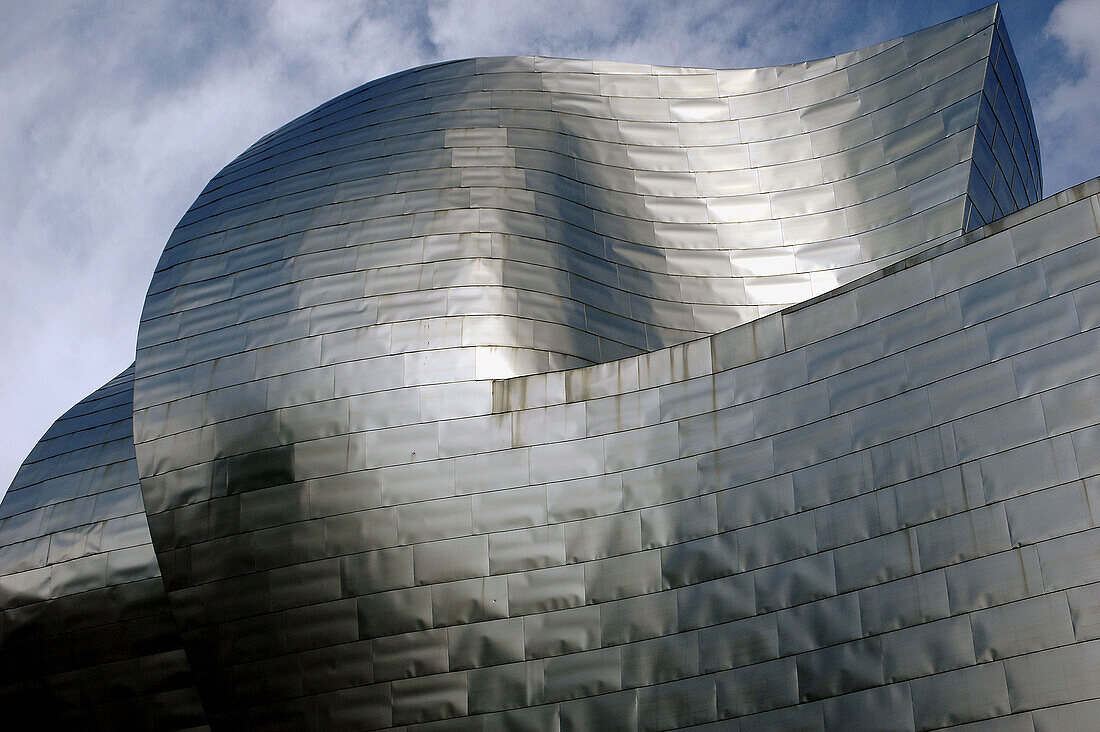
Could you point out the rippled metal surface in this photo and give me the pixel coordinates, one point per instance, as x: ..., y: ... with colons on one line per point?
x: 424, y: 441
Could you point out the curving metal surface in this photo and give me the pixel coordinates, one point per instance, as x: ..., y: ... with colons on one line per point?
x: 87, y: 639
x: 424, y: 441
x: 593, y: 210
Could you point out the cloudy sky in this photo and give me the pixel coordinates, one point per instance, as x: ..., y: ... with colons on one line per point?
x: 113, y: 115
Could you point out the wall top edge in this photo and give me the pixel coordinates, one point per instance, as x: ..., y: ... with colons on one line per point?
x: 695, y: 356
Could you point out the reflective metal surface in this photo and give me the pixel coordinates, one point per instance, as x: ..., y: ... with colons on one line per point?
x: 88, y: 637
x: 424, y: 440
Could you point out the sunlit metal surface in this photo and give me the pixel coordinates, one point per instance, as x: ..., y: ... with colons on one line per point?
x: 537, y: 393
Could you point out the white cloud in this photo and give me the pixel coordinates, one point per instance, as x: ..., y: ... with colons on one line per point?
x: 1067, y: 115
x: 711, y: 33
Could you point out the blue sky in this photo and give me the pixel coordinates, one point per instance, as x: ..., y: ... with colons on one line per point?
x: 115, y: 114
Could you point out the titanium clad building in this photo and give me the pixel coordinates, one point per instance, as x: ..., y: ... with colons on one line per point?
x: 526, y: 393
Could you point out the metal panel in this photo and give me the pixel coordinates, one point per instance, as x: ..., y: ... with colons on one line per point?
x: 965, y: 695
x: 928, y: 648
x: 840, y: 669
x: 740, y: 643
x: 1031, y: 678
x: 888, y: 707
x: 756, y: 688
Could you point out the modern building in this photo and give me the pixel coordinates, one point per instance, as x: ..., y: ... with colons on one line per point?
x: 527, y: 393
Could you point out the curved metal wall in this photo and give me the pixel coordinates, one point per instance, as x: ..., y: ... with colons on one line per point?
x: 87, y: 639
x: 1006, y: 173
x: 871, y: 503
x: 345, y: 286
x: 876, y: 511
x: 579, y: 211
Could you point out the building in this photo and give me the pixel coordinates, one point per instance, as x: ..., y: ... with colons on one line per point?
x: 538, y: 393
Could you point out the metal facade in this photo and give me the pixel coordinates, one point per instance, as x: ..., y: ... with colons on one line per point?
x: 525, y: 393
x: 88, y: 636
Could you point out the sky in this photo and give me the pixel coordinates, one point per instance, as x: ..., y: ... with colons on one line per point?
x: 113, y: 115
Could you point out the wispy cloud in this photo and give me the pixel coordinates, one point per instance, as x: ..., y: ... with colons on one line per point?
x: 1068, y: 113
x: 115, y: 114
x: 710, y: 33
